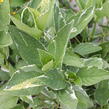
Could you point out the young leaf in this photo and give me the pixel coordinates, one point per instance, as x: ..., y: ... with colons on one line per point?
x: 44, y: 14
x: 91, y: 76
x: 48, y: 66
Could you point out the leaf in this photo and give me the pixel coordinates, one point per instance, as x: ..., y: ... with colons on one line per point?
x: 102, y: 93
x: 91, y: 76
x: 45, y: 57
x: 30, y: 83
x: 58, y: 17
x: 48, y: 66
x: 84, y: 101
x: 71, y: 59
x: 94, y: 62
x: 86, y: 48
x: 27, y: 99
x: 34, y: 32
x: 81, y: 20
x: 24, y: 83
x: 105, y: 49
x: 90, y: 3
x: 18, y: 107
x: 81, y: 3
x: 35, y: 3
x: 44, y: 14
x: 4, y: 14
x: 28, y: 18
x: 103, y: 11
x: 61, y: 43
x: 4, y: 76
x: 29, y: 68
x: 52, y: 48
x: 99, y: 3
x: 55, y: 79
x: 5, y: 39
x: 7, y: 101
x: 26, y: 45
x: 16, y: 3
x: 67, y: 99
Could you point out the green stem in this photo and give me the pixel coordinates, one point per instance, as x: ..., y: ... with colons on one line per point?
x: 93, y: 31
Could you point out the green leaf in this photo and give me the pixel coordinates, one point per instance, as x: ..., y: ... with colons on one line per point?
x: 30, y: 83
x: 35, y: 3
x: 86, y: 48
x: 102, y: 93
x: 67, y: 99
x: 16, y: 3
x: 24, y: 83
x: 90, y: 3
x: 28, y: 18
x: 29, y: 68
x: 94, y: 62
x: 52, y: 48
x: 61, y: 43
x: 81, y: 20
x: 34, y: 32
x: 55, y: 80
x: 4, y: 14
x: 19, y: 107
x: 4, y: 76
x: 45, y: 57
x: 84, y: 101
x: 58, y: 17
x: 26, y: 45
x: 81, y: 3
x: 48, y: 66
x: 1, y: 59
x: 71, y: 59
x: 103, y: 11
x: 91, y: 76
x: 105, y: 49
x: 5, y: 39
x: 44, y: 14
x: 7, y: 101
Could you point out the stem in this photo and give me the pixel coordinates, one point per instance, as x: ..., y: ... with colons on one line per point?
x: 93, y: 31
